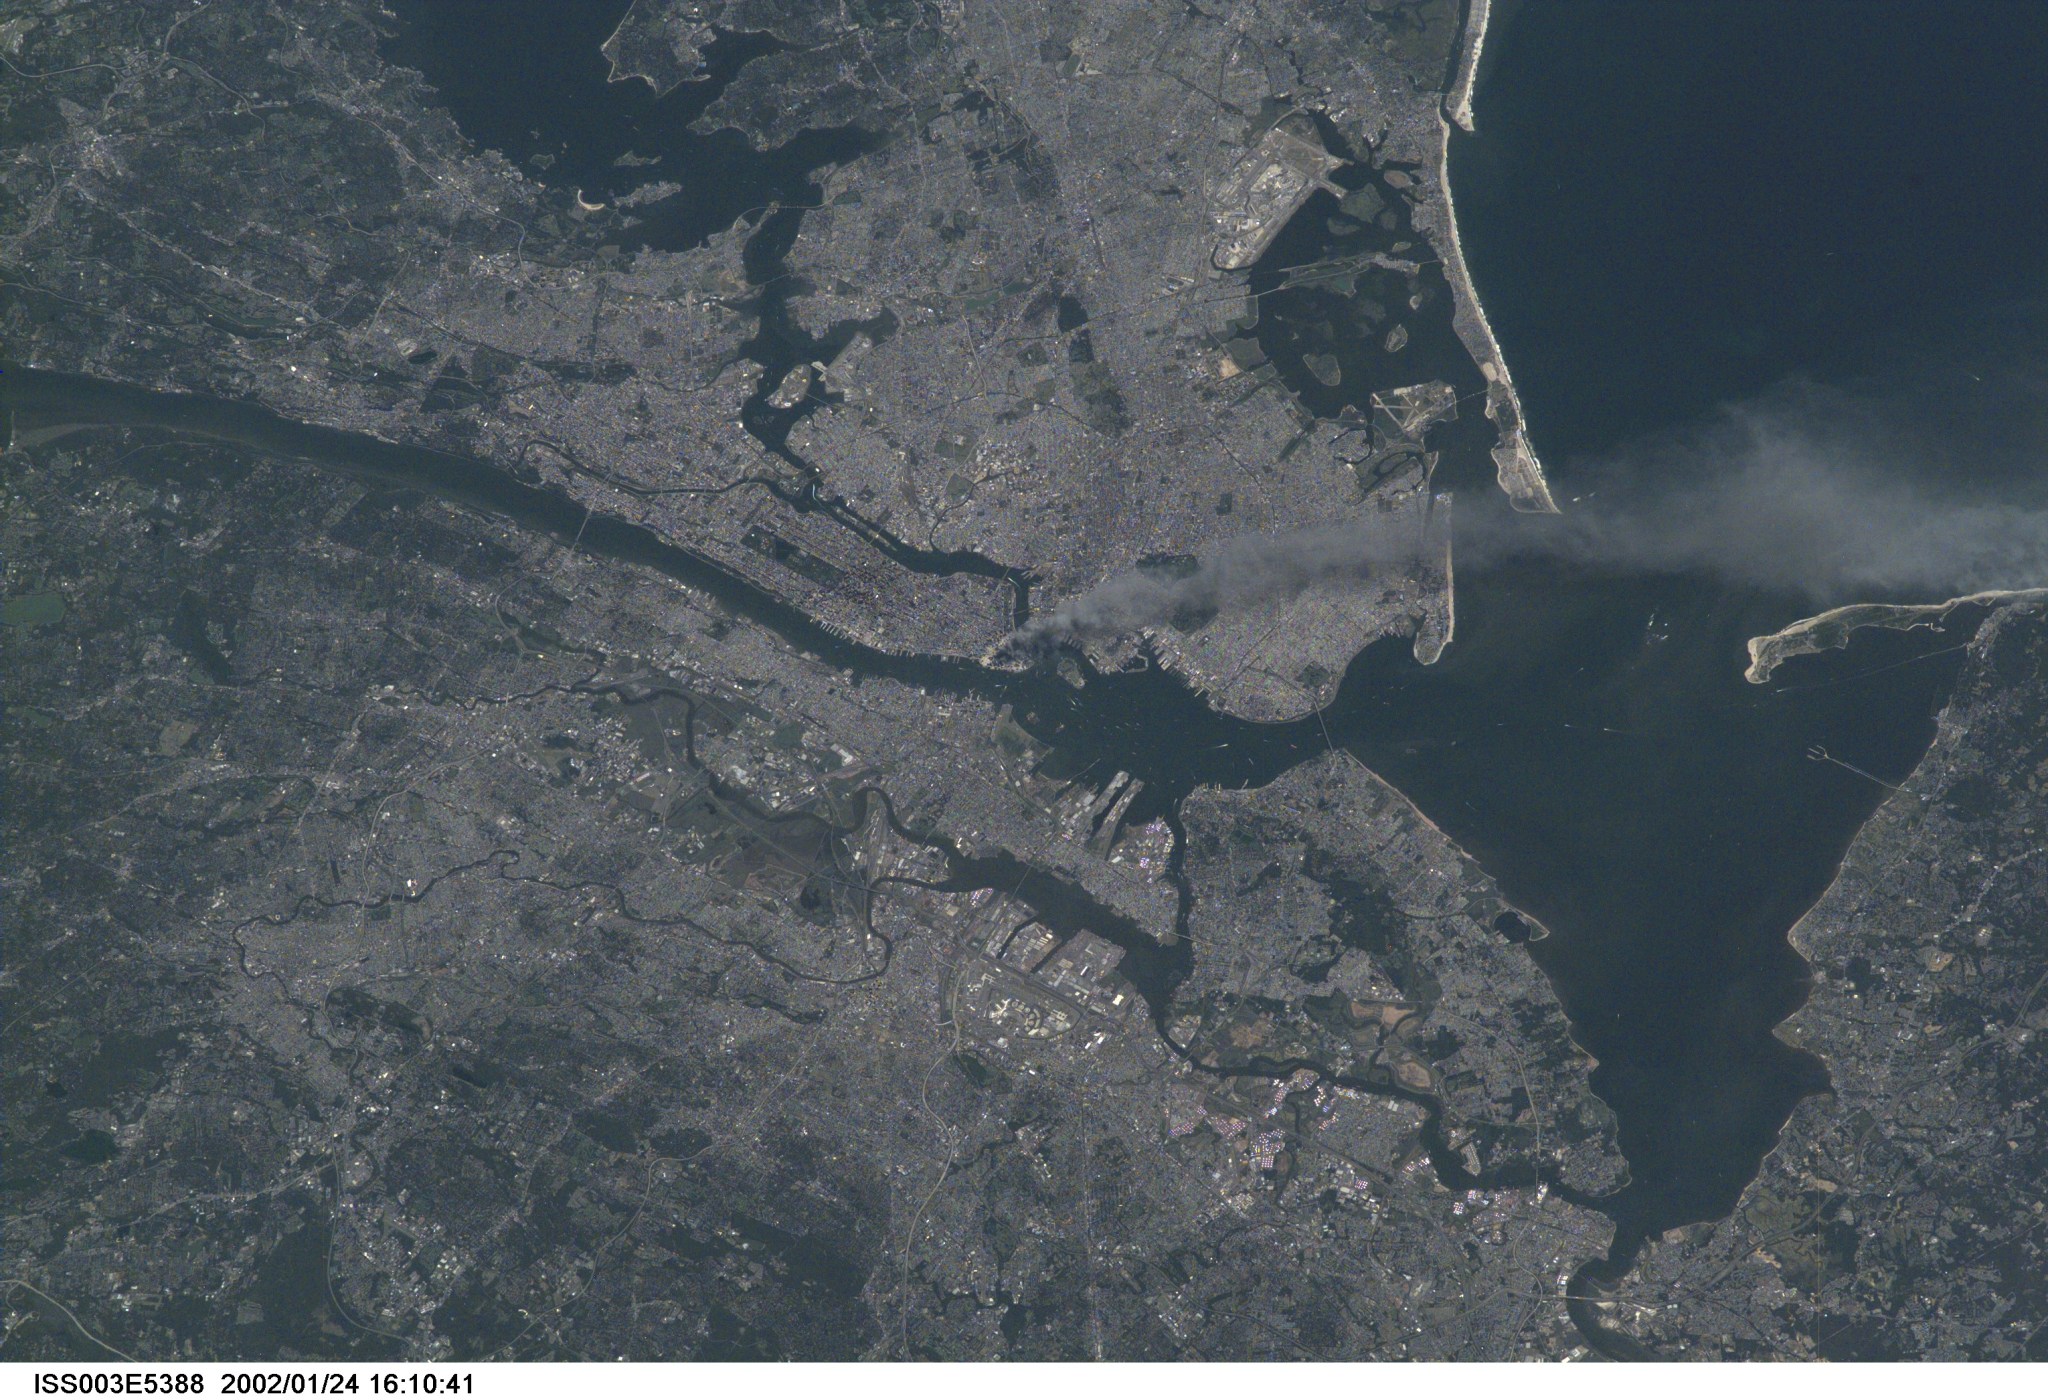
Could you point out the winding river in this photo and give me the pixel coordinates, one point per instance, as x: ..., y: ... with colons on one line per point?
x: 1588, y: 737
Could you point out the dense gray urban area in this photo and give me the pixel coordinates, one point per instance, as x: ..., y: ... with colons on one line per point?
x: 645, y: 898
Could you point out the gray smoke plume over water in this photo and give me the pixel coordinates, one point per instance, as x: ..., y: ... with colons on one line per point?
x: 1822, y: 494
x: 1810, y: 492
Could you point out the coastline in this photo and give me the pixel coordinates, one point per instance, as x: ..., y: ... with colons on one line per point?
x: 1516, y: 466
x: 1832, y: 629
x: 1458, y: 98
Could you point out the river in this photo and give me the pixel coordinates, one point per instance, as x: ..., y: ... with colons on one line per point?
x: 1588, y: 737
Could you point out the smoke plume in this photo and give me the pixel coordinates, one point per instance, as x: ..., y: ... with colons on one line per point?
x: 1240, y: 573
x: 1834, y: 497
x: 1831, y: 496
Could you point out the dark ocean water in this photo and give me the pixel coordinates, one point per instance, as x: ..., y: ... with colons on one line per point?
x: 1669, y: 208
x: 1670, y: 204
